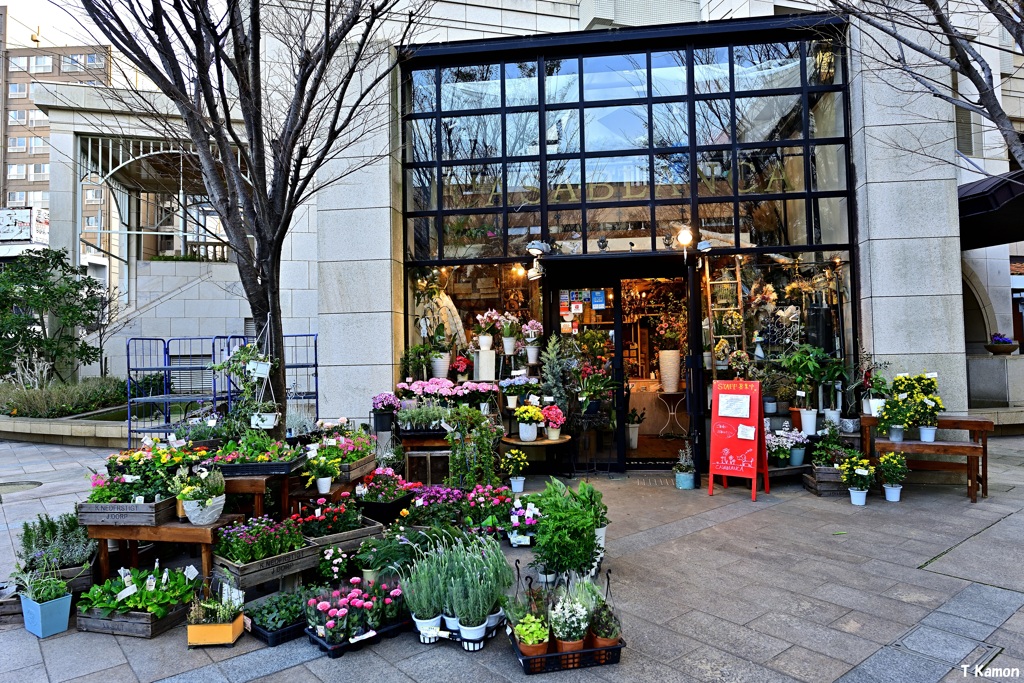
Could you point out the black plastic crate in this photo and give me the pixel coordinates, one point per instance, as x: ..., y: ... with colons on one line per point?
x: 335, y: 650
x: 563, y: 661
x: 278, y: 637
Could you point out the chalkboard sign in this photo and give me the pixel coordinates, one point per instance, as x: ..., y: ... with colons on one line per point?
x: 737, y: 434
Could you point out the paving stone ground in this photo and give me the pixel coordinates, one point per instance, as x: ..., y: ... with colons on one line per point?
x: 789, y: 588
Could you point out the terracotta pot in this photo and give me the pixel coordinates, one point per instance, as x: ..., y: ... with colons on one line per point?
x: 536, y: 665
x: 794, y: 419
x: 569, y: 661
x: 597, y: 643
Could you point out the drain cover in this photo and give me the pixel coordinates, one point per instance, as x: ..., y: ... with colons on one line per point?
x: 17, y: 487
x: 653, y: 481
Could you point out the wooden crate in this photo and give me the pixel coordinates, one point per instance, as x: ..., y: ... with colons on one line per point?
x: 276, y: 567
x: 10, y: 606
x: 135, y: 624
x: 127, y: 514
x: 79, y: 580
x: 824, y: 488
x: 352, y: 471
x: 350, y: 540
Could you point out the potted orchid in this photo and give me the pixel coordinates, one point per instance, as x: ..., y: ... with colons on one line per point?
x: 384, y: 407
x: 553, y: 421
x: 486, y: 325
x: 510, y: 327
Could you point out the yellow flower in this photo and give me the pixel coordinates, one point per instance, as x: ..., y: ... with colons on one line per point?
x: 404, y: 512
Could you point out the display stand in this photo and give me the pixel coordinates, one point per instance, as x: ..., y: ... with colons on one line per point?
x: 737, y: 435
x: 672, y: 401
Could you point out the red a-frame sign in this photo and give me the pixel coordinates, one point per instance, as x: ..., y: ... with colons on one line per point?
x: 737, y: 434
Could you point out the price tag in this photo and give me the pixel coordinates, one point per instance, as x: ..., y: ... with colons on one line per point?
x: 430, y: 631
x: 902, y: 397
x: 903, y: 374
x: 332, y: 442
x: 360, y: 490
x: 194, y: 420
x: 246, y: 623
x: 419, y: 502
x: 932, y: 375
x: 320, y: 631
x: 159, y: 446
x: 130, y: 590
x: 191, y: 572
x: 369, y: 634
x: 929, y: 402
x: 140, y: 500
x: 447, y: 427
x: 549, y: 400
x: 130, y: 478
x: 167, y: 577
x: 316, y: 513
x: 172, y: 437
x: 151, y: 583
x: 147, y: 442
x: 313, y: 448
x: 126, y: 575
x: 530, y: 507
x: 801, y: 393
x: 178, y: 444
x: 212, y: 422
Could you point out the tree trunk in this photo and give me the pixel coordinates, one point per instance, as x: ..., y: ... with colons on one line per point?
x: 268, y: 307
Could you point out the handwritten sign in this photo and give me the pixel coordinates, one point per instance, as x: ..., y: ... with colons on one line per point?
x: 737, y: 434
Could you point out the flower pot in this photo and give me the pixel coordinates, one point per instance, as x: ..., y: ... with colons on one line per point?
x: 485, y: 408
x: 424, y: 624
x: 369, y: 575
x: 201, y: 516
x: 876, y: 406
x: 686, y: 481
x: 849, y: 425
x: 770, y: 405
x: 323, y: 484
x: 258, y: 369
x: 634, y: 436
x: 1001, y: 349
x: 832, y: 416
x: 439, y: 366
x: 537, y: 650
x: 794, y: 418
x: 511, y: 400
x: 486, y: 342
x: 548, y: 579
x: 508, y: 345
x: 517, y: 483
x: 179, y: 509
x: 593, y: 407
x: 600, y: 535
x: 451, y: 623
x: 668, y: 367
x: 796, y: 456
x: 527, y: 431
x: 809, y: 421
x: 264, y: 420
x: 859, y: 496
x: 215, y: 634
x: 928, y: 433
x: 382, y: 420
x: 570, y: 661
x: 554, y: 433
x: 599, y: 643
x: 494, y: 618
x: 44, y: 619
x: 892, y: 492
x: 896, y: 433
x: 708, y: 359
x: 472, y: 636
x: 532, y: 354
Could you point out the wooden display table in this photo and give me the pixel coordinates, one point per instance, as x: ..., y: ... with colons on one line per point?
x: 257, y: 486
x: 172, y: 532
x: 538, y: 443
x: 974, y: 451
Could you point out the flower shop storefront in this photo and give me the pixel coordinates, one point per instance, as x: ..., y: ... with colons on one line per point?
x: 674, y: 206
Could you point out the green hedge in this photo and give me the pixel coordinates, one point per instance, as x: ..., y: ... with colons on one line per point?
x: 62, y: 400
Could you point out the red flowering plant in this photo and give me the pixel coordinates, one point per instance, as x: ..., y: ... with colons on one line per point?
x: 461, y: 364
x: 384, y: 486
x: 324, y: 520
x: 487, y: 509
x: 553, y: 416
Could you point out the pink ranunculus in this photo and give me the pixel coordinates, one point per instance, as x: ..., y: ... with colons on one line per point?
x: 312, y: 602
x: 332, y: 612
x: 396, y: 592
x: 342, y: 612
x: 336, y: 594
x: 355, y: 581
x: 321, y: 501
x: 368, y: 604
x: 323, y: 606
x: 330, y: 624
x: 357, y: 603
x: 387, y: 601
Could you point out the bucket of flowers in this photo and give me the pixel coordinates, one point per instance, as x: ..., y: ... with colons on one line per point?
x: 514, y: 462
x: 385, y: 494
x: 858, y: 475
x: 528, y: 417
x: 385, y: 405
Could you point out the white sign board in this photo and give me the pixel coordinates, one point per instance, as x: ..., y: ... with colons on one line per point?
x: 16, y: 224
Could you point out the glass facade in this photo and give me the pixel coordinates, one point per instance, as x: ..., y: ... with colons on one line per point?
x: 606, y: 153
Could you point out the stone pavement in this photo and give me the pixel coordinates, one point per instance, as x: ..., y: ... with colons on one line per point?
x: 792, y: 587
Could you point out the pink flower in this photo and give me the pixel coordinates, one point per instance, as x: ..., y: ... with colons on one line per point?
x: 355, y: 581
x: 397, y: 592
x: 321, y: 501
x: 357, y: 603
x: 383, y: 586
x: 472, y: 504
x: 330, y: 624
x: 387, y: 601
x: 323, y: 606
x: 332, y: 612
x: 336, y: 594
x: 342, y: 612
x: 343, y: 602
x: 312, y: 602
x: 368, y: 604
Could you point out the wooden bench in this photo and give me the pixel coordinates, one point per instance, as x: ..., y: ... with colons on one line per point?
x: 974, y: 451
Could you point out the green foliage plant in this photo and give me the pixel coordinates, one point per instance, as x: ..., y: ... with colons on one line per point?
x: 532, y: 630
x: 278, y: 610
x: 565, y: 539
x: 806, y: 365
x: 42, y: 584
x: 473, y: 443
x: 178, y: 590
x: 60, y: 542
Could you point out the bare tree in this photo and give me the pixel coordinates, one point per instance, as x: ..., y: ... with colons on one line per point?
x: 111, y: 317
x: 928, y: 42
x: 275, y: 97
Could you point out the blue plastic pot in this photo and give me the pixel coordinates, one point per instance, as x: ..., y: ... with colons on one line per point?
x: 685, y: 480
x: 47, y: 618
x: 796, y: 456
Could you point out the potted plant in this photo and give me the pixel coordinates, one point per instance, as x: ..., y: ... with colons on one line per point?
x: 566, y: 539
x: 424, y: 595
x: 385, y: 405
x: 138, y: 602
x: 261, y: 548
x: 925, y: 403
x: 778, y: 446
x: 892, y: 469
x: 569, y: 623
x: 62, y: 543
x: 216, y: 620
x: 806, y: 366
x: 514, y: 387
x: 785, y: 392
x: 441, y: 352
x: 594, y: 385
x: 833, y: 373
x: 322, y: 469
x: 895, y: 416
x: 605, y: 629
x: 532, y: 633
x: 486, y: 325
x: 553, y: 421
x: 471, y: 601
x: 1001, y: 345
x: 203, y: 497
x: 528, y: 417
x: 416, y: 362
x: 633, y: 421
x: 514, y: 462
x: 857, y: 474
x: 510, y: 327
x: 45, y: 600
x: 532, y: 332
x: 684, y: 470
x: 385, y: 495
x: 462, y: 365
x: 798, y: 447
x: 278, y: 618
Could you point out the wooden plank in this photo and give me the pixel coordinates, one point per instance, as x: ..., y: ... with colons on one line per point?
x: 127, y: 514
x: 172, y: 532
x: 255, y: 573
x: 964, y: 422
x: 358, y: 464
x: 350, y: 539
x: 369, y: 464
x: 929, y: 447
x: 247, y: 485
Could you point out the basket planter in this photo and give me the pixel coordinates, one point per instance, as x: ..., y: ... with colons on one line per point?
x: 264, y: 420
x: 135, y: 624
x: 275, y: 638
x: 259, y: 469
x: 350, y: 471
x: 349, y: 540
x: 550, y: 660
x: 45, y: 619
x: 127, y: 514
x: 386, y: 513
x: 286, y: 564
x: 202, y: 516
x: 215, y: 634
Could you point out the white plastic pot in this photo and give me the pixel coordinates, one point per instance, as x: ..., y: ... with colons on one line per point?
x: 532, y: 354
x: 323, y: 484
x: 832, y: 416
x: 424, y: 624
x: 508, y: 345
x: 511, y: 400
x: 518, y: 484
x: 892, y: 492
x: 809, y: 421
x: 554, y: 433
x: 264, y: 420
x: 486, y: 342
x: 527, y: 431
x: 859, y: 496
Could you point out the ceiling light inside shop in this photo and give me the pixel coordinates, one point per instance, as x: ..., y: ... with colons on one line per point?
x: 685, y: 236
x: 538, y: 248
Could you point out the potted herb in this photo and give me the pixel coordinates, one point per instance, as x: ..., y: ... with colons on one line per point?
x: 45, y: 600
x: 1001, y: 345
x: 385, y: 405
x: 322, y: 469
x: 684, y: 470
x: 470, y: 599
x: 61, y: 543
x: 203, y: 496
x: 277, y: 619
x: 553, y: 421
x: 424, y: 595
x: 514, y: 462
x: 892, y: 469
x: 633, y: 421
x: 528, y: 417
x: 566, y: 539
x: 216, y: 620
x: 857, y: 473
x: 592, y: 500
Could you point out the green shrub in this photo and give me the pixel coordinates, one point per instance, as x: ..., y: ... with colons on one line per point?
x: 62, y: 400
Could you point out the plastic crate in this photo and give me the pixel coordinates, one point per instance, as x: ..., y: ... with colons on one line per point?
x: 562, y: 661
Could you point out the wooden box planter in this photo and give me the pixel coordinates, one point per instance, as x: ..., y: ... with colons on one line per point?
x: 276, y: 567
x: 10, y: 606
x: 215, y: 634
x: 278, y: 637
x: 386, y: 513
x: 257, y: 469
x: 79, y: 580
x: 351, y: 471
x: 350, y: 540
x: 825, y: 481
x: 127, y: 514
x: 135, y: 624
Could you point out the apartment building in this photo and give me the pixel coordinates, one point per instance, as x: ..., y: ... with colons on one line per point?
x: 25, y: 130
